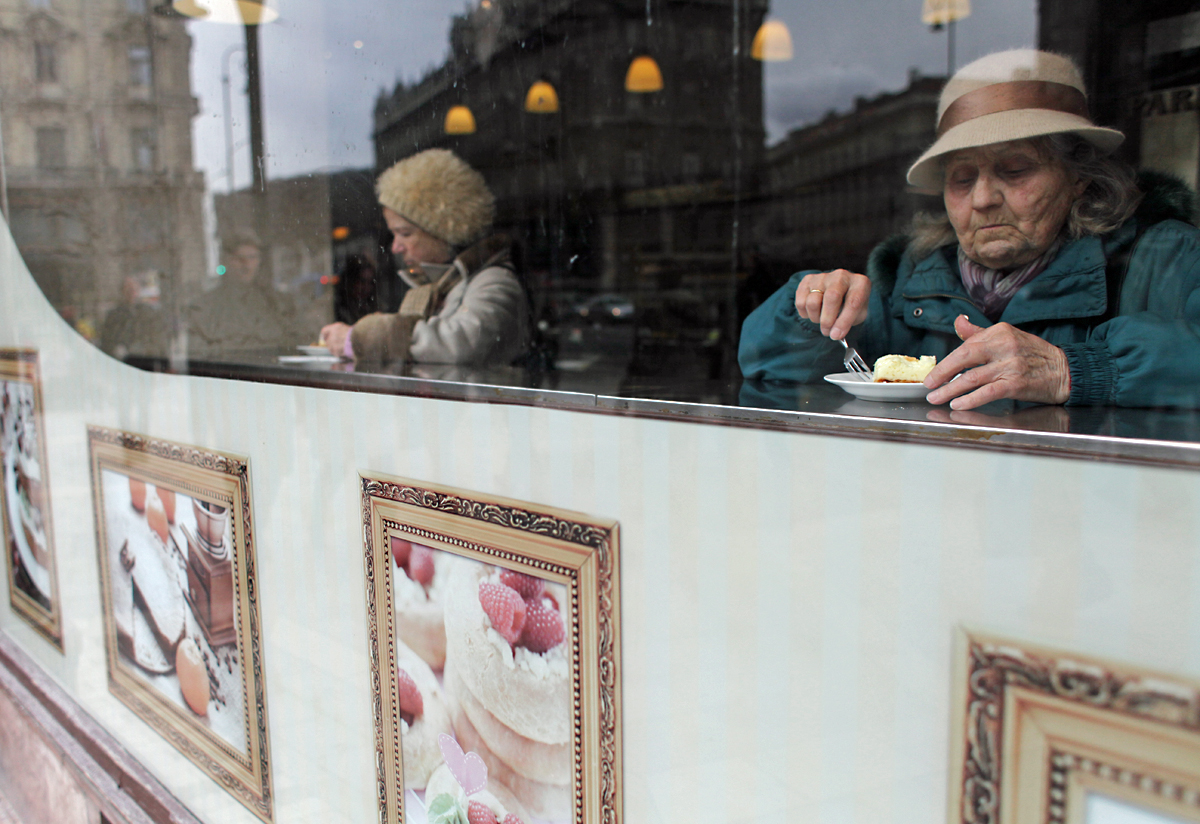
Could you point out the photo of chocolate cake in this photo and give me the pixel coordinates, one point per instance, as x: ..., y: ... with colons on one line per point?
x: 173, y: 599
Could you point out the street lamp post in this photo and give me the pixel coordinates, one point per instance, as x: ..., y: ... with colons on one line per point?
x: 939, y: 13
x: 254, y: 93
x: 228, y: 104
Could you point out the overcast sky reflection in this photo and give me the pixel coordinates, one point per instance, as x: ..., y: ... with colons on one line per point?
x: 324, y: 65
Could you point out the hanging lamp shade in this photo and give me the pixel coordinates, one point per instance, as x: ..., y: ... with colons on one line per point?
x: 240, y: 12
x: 541, y: 98
x: 941, y: 12
x: 459, y: 120
x: 772, y: 42
x: 643, y: 75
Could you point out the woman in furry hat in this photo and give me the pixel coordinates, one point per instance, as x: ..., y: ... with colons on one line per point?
x: 1054, y: 277
x: 465, y: 304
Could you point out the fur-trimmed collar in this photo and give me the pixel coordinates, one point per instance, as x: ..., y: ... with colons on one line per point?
x: 494, y: 250
x: 1165, y: 197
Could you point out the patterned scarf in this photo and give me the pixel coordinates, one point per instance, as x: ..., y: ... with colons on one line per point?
x: 992, y: 289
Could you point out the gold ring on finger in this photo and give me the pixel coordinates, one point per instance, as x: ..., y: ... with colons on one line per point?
x: 821, y: 291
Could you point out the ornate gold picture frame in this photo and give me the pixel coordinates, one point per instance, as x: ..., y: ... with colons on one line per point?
x: 495, y: 655
x: 175, y: 539
x: 28, y: 525
x: 1036, y: 731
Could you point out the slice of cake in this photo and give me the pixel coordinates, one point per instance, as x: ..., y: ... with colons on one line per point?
x: 903, y: 369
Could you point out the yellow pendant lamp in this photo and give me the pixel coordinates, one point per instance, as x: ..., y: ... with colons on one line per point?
x: 772, y: 42
x: 240, y: 12
x: 643, y: 75
x: 459, y: 120
x: 541, y: 98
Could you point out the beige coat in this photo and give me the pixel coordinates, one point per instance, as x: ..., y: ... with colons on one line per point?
x: 483, y: 320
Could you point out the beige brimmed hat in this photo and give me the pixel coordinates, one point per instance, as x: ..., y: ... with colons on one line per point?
x: 1009, y: 95
x: 437, y: 190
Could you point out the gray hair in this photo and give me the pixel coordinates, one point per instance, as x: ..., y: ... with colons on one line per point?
x: 1110, y: 199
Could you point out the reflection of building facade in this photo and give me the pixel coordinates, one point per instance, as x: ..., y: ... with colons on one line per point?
x: 1141, y: 61
x: 96, y: 108
x: 834, y: 189
x: 615, y: 186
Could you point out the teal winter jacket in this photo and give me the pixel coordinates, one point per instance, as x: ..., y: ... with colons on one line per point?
x: 1145, y: 351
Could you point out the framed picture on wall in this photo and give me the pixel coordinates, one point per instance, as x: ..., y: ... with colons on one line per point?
x: 176, y: 547
x: 495, y: 657
x: 28, y: 526
x: 1045, y: 736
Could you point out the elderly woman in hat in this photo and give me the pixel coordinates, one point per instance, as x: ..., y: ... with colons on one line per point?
x: 1052, y: 277
x: 465, y: 304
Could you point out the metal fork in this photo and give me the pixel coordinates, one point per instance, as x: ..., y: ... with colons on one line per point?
x: 855, y: 364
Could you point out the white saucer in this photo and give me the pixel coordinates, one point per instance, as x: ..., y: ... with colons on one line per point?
x: 871, y: 391
x: 315, y: 350
x: 326, y: 358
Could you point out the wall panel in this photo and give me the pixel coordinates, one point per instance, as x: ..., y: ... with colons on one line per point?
x: 789, y: 599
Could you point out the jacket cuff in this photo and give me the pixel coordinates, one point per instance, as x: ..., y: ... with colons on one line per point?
x: 1093, y: 373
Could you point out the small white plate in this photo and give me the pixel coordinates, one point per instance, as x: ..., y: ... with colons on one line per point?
x: 314, y: 350
x: 871, y: 391
x: 325, y: 358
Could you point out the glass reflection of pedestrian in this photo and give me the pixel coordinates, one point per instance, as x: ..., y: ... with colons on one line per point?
x: 245, y: 312
x: 133, y: 327
x: 354, y: 292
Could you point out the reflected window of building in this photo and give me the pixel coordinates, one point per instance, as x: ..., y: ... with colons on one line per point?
x: 45, y: 56
x: 635, y: 169
x: 52, y: 148
x: 689, y: 167
x: 143, y: 144
x: 139, y: 66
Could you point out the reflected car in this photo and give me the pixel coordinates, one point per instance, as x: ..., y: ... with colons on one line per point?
x: 606, y: 308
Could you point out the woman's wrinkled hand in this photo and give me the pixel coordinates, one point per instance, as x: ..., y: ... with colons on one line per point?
x: 999, y: 362
x: 835, y: 300
x: 333, y: 336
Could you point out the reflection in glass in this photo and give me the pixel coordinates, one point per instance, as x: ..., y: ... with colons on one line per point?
x: 134, y: 150
x: 1102, y: 809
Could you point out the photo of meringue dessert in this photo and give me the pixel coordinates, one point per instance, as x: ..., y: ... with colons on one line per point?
x: 494, y: 630
x: 482, y: 656
x: 508, y: 677
x: 26, y: 513
x: 171, y: 586
x: 419, y: 576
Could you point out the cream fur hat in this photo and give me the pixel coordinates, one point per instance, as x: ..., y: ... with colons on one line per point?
x: 1009, y: 95
x: 436, y: 190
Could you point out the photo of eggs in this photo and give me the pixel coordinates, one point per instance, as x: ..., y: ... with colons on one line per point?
x: 497, y: 629
x: 171, y: 577
x: 25, y: 501
x: 484, y: 660
x: 181, y: 618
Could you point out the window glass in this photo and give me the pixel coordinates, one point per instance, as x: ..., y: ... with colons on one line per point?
x: 51, y: 149
x: 142, y: 142
x: 139, y: 66
x: 45, y: 57
x: 658, y: 169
